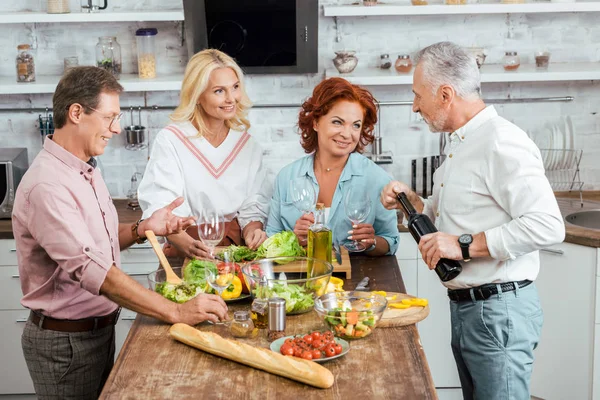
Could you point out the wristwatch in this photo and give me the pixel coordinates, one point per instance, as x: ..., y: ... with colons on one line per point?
x: 134, y: 232
x: 465, y: 241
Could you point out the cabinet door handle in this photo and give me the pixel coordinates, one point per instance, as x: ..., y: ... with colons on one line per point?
x: 13, y: 250
x: 15, y: 276
x: 553, y: 251
x: 140, y: 248
x: 21, y: 320
x: 130, y: 318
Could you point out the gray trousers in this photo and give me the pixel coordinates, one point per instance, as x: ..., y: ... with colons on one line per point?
x: 66, y: 365
x: 493, y: 342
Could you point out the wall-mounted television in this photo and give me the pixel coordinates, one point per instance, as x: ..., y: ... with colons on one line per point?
x: 264, y: 36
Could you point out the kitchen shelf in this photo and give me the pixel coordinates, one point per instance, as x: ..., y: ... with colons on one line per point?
x: 489, y: 73
x: 358, y: 10
x: 146, y: 16
x: 131, y: 83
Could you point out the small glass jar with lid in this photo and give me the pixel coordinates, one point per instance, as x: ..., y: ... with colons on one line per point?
x: 108, y: 55
x: 403, y: 63
x: 25, y: 64
x: 241, y: 326
x: 511, y: 61
x: 146, y: 52
x: 385, y: 62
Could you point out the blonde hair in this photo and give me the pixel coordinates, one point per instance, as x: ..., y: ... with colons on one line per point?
x: 195, y: 82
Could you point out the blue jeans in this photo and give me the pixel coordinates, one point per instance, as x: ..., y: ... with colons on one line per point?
x: 493, y: 342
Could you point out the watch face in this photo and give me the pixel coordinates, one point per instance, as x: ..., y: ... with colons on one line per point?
x: 465, y: 239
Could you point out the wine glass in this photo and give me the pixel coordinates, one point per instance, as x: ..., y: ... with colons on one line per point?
x: 211, y: 227
x: 221, y: 279
x: 303, y: 194
x: 357, y: 206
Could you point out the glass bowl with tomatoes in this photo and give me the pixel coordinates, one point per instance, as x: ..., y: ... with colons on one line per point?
x: 299, y: 280
x: 315, y: 346
x: 351, y: 315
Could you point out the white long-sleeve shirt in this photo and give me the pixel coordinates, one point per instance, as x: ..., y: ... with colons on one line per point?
x: 493, y: 181
x: 232, y: 176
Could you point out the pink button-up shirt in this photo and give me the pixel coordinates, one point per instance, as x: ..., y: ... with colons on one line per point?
x: 66, y: 231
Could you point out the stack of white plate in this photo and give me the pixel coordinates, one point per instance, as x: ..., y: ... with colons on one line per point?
x: 557, y: 144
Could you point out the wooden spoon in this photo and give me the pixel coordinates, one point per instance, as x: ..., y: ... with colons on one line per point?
x: 171, y: 277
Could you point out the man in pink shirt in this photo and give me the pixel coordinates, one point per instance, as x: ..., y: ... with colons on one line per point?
x: 68, y: 246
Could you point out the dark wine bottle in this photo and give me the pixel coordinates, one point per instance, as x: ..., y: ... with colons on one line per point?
x: 420, y: 225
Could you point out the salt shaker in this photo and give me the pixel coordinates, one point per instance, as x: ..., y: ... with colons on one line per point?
x: 276, y: 318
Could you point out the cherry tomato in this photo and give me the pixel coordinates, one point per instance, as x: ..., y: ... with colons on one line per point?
x: 316, y: 335
x: 317, y: 343
x: 338, y: 349
x: 328, y: 335
x: 307, y: 355
x: 329, y: 351
x: 287, y: 350
x: 316, y: 354
x: 308, y: 339
x: 298, y: 352
x: 289, y: 341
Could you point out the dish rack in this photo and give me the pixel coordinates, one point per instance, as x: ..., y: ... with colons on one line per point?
x: 562, y: 170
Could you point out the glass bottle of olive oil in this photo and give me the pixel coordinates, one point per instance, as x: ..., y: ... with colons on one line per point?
x: 320, y: 237
x: 259, y: 311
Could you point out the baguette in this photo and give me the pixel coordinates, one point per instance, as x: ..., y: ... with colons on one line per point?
x: 294, y: 368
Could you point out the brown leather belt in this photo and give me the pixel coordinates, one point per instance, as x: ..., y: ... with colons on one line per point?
x: 75, y: 325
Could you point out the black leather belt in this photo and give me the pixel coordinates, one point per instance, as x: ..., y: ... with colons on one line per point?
x: 76, y: 325
x: 485, y: 291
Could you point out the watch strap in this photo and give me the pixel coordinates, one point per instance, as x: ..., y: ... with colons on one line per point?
x: 134, y: 232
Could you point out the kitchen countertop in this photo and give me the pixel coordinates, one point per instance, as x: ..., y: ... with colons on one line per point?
x: 568, y: 202
x: 390, y: 363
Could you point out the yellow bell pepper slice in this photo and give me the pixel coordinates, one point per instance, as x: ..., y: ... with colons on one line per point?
x: 399, y: 305
x: 379, y: 292
x: 415, y: 302
x: 234, y: 290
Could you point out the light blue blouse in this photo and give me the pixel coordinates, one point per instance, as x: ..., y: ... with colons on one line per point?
x: 359, y: 171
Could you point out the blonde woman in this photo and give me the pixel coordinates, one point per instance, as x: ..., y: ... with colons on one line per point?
x: 207, y: 153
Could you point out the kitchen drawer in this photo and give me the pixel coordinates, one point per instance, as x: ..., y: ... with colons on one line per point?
x: 139, y: 253
x: 140, y: 271
x: 8, y: 252
x: 14, y: 376
x: 598, y: 301
x: 10, y: 289
x: 122, y: 329
x: 408, y: 248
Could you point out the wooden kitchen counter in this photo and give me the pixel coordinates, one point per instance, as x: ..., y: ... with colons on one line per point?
x: 389, y: 364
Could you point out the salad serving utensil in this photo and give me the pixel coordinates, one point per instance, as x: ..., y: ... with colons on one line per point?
x: 171, y: 276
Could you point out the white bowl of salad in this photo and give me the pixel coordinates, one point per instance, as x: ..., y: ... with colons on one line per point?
x: 351, y: 315
x: 299, y: 280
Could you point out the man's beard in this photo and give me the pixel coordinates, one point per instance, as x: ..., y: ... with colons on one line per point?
x: 438, y: 123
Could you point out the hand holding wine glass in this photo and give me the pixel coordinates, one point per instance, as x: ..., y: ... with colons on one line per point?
x: 357, y: 206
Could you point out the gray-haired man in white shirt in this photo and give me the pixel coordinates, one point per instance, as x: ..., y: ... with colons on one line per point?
x: 493, y: 207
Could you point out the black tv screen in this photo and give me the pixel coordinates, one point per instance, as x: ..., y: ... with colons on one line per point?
x: 264, y: 36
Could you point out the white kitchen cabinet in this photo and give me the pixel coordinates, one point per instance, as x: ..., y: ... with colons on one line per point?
x: 407, y: 256
x: 564, y: 359
x: 435, y: 330
x: 14, y: 376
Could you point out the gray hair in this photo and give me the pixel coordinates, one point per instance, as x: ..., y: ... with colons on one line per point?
x: 446, y: 63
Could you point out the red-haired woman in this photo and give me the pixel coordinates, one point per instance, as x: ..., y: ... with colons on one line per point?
x: 335, y: 124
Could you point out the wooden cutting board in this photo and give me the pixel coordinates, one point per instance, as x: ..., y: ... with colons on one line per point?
x: 401, y: 317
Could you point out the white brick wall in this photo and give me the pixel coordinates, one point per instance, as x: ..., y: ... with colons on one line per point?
x: 569, y: 36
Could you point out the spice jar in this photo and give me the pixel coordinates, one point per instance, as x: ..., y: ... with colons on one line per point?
x: 108, y: 55
x: 146, y: 52
x: 70, y: 62
x: 276, y: 318
x: 241, y: 326
x: 25, y: 64
x: 403, y: 63
x: 385, y: 62
x: 542, y: 59
x: 511, y: 61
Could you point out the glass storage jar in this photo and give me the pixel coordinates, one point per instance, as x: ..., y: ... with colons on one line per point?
x: 385, y: 62
x: 58, y: 7
x: 146, y: 52
x: 25, y: 64
x: 242, y: 325
x: 108, y: 55
x: 511, y: 61
x: 403, y: 63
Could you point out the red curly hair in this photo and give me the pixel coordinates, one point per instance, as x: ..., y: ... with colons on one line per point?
x: 325, y: 95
